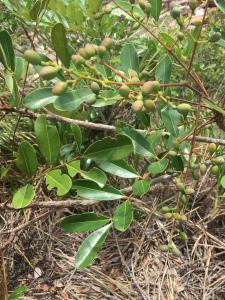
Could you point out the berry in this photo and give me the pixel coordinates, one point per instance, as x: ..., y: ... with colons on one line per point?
x: 78, y: 60
x: 137, y: 105
x: 180, y: 36
x: 212, y: 148
x: 83, y: 53
x: 90, y: 50
x: 203, y: 169
x: 48, y: 72
x: 167, y: 215
x: 133, y: 73
x: 219, y: 160
x: 101, y: 51
x: 91, y: 99
x: 150, y: 105
x: 150, y: 87
x: 184, y: 108
x: 32, y: 57
x: 215, y: 170
x: 95, y: 87
x: 124, y: 91
x: 60, y: 88
x: 107, y: 43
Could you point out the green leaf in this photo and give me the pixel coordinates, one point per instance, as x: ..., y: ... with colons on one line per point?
x: 119, y: 168
x: 23, y: 197
x: 163, y: 70
x: 72, y: 100
x: 167, y: 39
x: 62, y: 182
x: 83, y: 222
x: 94, y: 174
x: 48, y: 139
x: 110, y: 149
x: 158, y: 167
x: 59, y: 41
x: 90, y: 246
x: 13, y: 88
x: 129, y: 58
x: 141, y: 145
x: 39, y: 98
x: 123, y: 216
x: 77, y: 135
x: 141, y: 187
x: 90, y: 190
x: 20, y: 68
x: 38, y: 9
x: 214, y: 106
x: 7, y: 56
x: 156, y: 6
x: 222, y: 181
x: 171, y: 118
x: 18, y: 292
x: 221, y: 5
x: 26, y: 159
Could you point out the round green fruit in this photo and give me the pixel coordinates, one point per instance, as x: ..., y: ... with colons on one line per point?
x: 167, y: 215
x: 83, y: 53
x: 197, y: 20
x: 180, y: 36
x: 48, y: 72
x: 215, y: 170
x: 137, y: 105
x: 91, y: 99
x: 212, y: 148
x: 184, y: 108
x: 107, y: 43
x: 101, y: 51
x: 203, y: 169
x: 219, y: 160
x: 150, y: 87
x: 95, y: 87
x: 60, y: 88
x: 90, y: 50
x: 32, y: 57
x: 142, y: 4
x: 150, y: 105
x: 78, y: 59
x: 175, y: 12
x: 124, y: 91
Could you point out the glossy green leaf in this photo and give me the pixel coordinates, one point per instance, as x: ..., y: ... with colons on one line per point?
x: 141, y: 187
x: 158, y: 167
x: 221, y: 5
x: 156, y: 6
x: 163, y: 70
x: 85, y: 222
x: 123, y: 216
x: 141, y: 145
x: 26, y: 159
x: 171, y: 118
x: 20, y: 68
x: 90, y: 190
x: 119, y: 168
x: 90, y: 246
x: 23, y: 197
x: 62, y: 182
x: 7, y: 56
x: 110, y: 149
x: 39, y: 98
x: 72, y: 100
x: 48, y: 139
x: 222, y: 181
x: 59, y: 41
x: 129, y: 58
x: 93, y: 174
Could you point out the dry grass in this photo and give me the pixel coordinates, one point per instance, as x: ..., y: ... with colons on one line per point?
x: 130, y: 265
